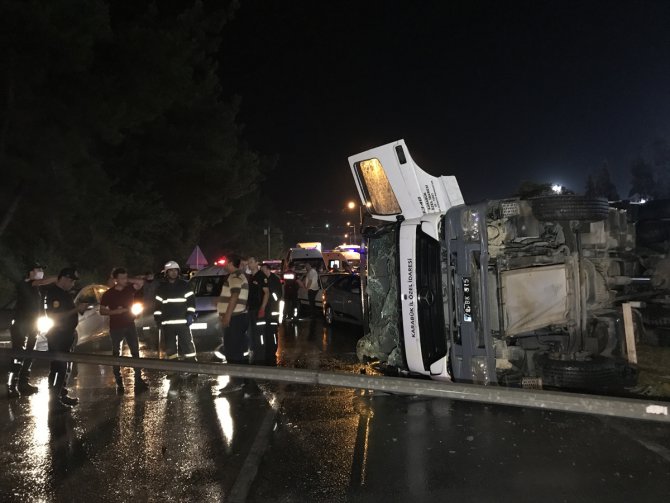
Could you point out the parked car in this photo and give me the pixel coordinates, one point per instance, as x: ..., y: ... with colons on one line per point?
x: 325, y: 280
x: 92, y: 325
x: 342, y: 300
x: 207, y: 284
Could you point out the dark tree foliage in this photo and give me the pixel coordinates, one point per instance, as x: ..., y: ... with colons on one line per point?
x: 116, y: 144
x: 643, y: 181
x: 601, y: 185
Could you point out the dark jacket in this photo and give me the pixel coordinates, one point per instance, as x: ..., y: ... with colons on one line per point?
x: 175, y: 303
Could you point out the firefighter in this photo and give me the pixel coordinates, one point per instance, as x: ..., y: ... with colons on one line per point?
x: 174, y: 312
x: 291, y: 287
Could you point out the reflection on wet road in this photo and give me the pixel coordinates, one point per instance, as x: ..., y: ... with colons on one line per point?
x: 289, y: 442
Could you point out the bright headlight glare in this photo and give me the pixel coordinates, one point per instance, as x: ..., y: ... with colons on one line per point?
x: 137, y: 308
x: 471, y: 223
x: 44, y: 324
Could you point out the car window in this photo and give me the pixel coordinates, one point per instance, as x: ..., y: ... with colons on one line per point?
x: 87, y: 295
x: 209, y: 286
x: 99, y: 291
x: 328, y: 280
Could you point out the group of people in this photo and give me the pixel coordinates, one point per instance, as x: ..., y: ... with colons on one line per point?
x: 37, y: 294
x: 248, y: 310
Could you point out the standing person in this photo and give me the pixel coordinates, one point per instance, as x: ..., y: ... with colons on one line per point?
x: 60, y: 308
x: 269, y: 313
x: 175, y: 308
x: 256, y: 291
x: 232, y: 308
x: 117, y: 303
x: 148, y: 306
x: 24, y: 329
x: 291, y: 287
x: 312, y: 286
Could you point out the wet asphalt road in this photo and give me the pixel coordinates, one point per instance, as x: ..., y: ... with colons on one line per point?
x: 285, y: 442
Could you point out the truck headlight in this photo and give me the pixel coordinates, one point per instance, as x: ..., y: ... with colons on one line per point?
x: 137, y: 308
x: 471, y: 224
x: 44, y: 324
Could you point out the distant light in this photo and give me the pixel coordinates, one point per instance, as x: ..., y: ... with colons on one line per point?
x: 351, y: 205
x: 643, y: 200
x: 327, y: 226
x: 221, y: 261
x: 349, y: 223
x: 137, y: 308
x: 346, y: 236
x: 557, y: 189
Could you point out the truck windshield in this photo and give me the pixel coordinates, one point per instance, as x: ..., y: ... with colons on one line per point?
x: 376, y: 187
x: 381, y: 340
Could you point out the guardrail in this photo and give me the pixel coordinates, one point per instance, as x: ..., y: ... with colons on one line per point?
x: 548, y: 400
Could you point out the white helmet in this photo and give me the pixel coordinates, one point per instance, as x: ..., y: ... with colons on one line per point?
x: 171, y: 265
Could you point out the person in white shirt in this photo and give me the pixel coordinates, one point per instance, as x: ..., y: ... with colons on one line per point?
x: 312, y: 286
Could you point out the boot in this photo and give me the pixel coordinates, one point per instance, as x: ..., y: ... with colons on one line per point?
x: 26, y: 388
x: 71, y: 401
x: 120, y: 389
x: 12, y: 392
x: 55, y: 402
x: 140, y: 385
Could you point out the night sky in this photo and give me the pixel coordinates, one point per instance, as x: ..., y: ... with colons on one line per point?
x: 492, y: 92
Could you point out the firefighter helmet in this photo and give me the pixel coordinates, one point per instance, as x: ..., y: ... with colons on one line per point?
x: 171, y: 265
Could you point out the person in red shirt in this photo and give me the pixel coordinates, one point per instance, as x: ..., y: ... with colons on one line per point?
x: 117, y: 303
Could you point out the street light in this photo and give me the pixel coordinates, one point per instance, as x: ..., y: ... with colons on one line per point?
x: 352, y: 205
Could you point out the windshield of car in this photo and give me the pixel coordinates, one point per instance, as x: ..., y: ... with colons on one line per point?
x: 207, y: 286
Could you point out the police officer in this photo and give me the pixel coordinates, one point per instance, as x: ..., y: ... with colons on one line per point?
x: 24, y: 328
x: 174, y: 312
x: 268, y: 313
x: 256, y: 281
x: 62, y: 336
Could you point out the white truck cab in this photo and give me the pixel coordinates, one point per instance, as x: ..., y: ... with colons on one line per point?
x: 394, y: 188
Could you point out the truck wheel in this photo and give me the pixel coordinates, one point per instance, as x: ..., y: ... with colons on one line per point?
x: 658, y: 209
x: 594, y: 374
x: 651, y: 233
x: 570, y: 207
x: 656, y: 316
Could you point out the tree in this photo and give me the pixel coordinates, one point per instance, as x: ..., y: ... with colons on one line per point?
x: 115, y: 140
x: 643, y: 181
x: 601, y: 184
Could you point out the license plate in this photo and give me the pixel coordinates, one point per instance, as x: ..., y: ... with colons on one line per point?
x: 467, y: 300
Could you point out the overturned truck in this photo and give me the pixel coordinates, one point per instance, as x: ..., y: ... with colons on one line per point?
x: 515, y: 292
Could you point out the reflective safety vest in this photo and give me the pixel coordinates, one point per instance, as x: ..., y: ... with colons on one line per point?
x: 174, y: 302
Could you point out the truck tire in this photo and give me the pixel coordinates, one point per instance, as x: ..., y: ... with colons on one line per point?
x: 658, y: 209
x: 595, y: 374
x: 656, y: 316
x: 652, y: 233
x: 570, y: 207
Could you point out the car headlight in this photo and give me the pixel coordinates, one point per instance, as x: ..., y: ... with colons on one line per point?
x: 471, y: 225
x: 137, y: 308
x: 44, y: 324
